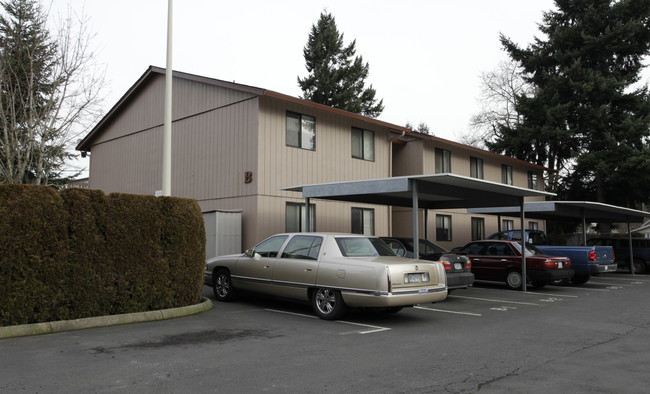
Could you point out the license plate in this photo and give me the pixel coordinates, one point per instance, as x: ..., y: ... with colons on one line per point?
x: 458, y: 266
x: 414, y: 278
x: 560, y: 265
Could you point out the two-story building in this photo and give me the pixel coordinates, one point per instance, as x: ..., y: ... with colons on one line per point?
x: 235, y: 147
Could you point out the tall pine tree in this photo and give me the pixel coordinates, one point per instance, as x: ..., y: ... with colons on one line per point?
x: 336, y: 77
x: 587, y: 118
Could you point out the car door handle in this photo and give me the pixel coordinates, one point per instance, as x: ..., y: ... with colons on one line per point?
x: 504, y: 260
x: 267, y: 266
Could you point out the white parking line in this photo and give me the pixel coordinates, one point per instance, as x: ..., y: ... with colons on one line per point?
x: 374, y: 328
x: 610, y: 284
x: 442, y: 310
x: 549, y: 294
x: 492, y: 300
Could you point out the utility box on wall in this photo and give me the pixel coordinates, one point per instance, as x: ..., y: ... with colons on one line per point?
x: 223, y: 232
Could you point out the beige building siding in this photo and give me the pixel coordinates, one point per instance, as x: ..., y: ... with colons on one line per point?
x: 282, y: 166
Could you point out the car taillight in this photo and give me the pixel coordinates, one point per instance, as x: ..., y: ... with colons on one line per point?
x: 446, y: 264
x: 592, y: 255
x: 468, y: 265
x: 550, y: 264
x: 567, y: 263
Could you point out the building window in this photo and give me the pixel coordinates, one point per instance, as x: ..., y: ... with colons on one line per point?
x: 532, y: 180
x: 533, y: 226
x: 443, y: 227
x: 301, y: 131
x: 363, y: 221
x: 476, y: 167
x: 507, y: 225
x: 443, y: 161
x: 295, y: 217
x: 506, y: 174
x: 363, y: 144
x: 478, y: 229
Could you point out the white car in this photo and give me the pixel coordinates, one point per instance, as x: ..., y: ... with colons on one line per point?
x: 332, y: 271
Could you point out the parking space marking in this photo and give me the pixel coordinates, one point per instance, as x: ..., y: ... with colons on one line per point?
x: 374, y: 328
x: 291, y: 313
x: 549, y: 294
x: 444, y: 311
x: 493, y: 300
x: 609, y: 284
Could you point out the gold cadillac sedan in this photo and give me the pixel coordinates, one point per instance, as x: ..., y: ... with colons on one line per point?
x: 333, y: 272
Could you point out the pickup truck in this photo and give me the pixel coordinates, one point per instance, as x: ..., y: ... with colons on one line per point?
x: 585, y: 260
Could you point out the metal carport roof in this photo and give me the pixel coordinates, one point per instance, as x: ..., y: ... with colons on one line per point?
x: 437, y: 191
x: 569, y: 210
x: 584, y: 211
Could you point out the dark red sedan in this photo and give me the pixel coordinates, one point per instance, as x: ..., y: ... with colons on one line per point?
x: 500, y: 261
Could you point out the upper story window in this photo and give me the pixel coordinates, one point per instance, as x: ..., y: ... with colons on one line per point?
x: 506, y: 174
x: 532, y: 180
x: 363, y: 144
x: 301, y: 131
x: 443, y: 161
x: 476, y: 167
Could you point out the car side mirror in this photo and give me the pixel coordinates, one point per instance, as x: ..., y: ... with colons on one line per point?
x: 249, y: 253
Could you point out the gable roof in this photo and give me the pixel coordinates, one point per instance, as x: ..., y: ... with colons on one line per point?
x: 402, y: 133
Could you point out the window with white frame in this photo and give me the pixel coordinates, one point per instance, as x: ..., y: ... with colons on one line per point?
x: 301, y: 131
x: 295, y: 217
x: 476, y: 167
x: 506, y: 174
x: 363, y: 221
x: 443, y: 227
x: 363, y: 144
x: 532, y: 180
x: 478, y: 229
x: 443, y: 161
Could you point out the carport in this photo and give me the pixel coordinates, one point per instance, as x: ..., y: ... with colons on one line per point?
x: 436, y: 191
x: 582, y: 211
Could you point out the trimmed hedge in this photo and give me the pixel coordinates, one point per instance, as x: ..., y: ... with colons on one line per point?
x: 80, y: 253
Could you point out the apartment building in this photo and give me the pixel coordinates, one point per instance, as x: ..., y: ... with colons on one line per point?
x: 235, y: 147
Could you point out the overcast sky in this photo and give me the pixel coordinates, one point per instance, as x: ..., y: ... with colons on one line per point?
x: 425, y: 56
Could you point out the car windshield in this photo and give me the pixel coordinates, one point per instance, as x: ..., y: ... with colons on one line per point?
x: 531, y: 250
x: 363, y: 247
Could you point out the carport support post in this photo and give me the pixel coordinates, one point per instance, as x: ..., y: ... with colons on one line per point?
x: 307, y: 217
x: 523, y: 245
x: 416, y: 234
x: 629, y: 238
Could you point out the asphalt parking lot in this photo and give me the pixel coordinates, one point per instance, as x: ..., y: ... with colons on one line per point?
x: 588, y: 338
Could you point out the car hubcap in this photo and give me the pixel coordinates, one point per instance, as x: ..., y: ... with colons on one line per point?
x: 514, y: 280
x: 325, y: 300
x: 222, y: 285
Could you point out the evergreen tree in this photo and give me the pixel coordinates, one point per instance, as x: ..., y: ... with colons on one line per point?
x: 587, y: 118
x: 336, y: 77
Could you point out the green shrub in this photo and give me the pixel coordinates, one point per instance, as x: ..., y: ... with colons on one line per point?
x: 81, y: 253
x: 33, y: 253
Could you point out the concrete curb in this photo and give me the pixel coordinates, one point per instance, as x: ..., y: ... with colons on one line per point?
x: 103, y: 321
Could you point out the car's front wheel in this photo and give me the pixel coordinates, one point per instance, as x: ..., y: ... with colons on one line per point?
x: 328, y: 303
x: 222, y: 285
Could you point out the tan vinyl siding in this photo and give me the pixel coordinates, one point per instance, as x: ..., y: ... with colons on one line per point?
x: 282, y: 166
